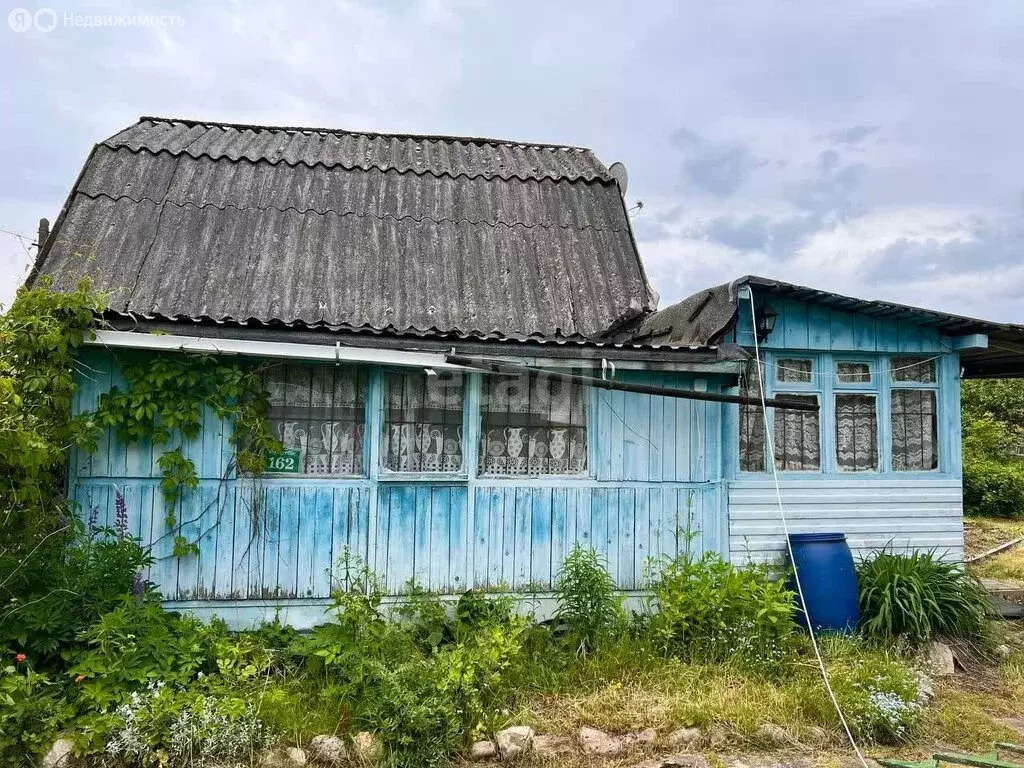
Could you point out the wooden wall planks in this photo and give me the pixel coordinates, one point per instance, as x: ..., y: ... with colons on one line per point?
x: 655, y: 471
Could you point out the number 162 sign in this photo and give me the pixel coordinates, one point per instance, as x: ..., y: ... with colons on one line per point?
x: 286, y: 461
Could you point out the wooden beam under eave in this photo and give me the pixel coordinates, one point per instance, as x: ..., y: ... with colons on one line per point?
x: 970, y: 341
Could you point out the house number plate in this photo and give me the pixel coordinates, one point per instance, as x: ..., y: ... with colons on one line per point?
x: 286, y: 461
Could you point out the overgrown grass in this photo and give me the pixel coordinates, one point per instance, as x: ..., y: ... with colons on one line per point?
x: 728, y: 701
x: 433, y: 678
x: 983, y: 533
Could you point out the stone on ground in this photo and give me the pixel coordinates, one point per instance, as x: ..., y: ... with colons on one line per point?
x: 328, y: 750
x: 514, y: 741
x: 925, y: 689
x: 595, y: 742
x: 640, y: 738
x: 683, y: 737
x: 367, y: 747
x: 61, y: 754
x: 552, y: 745
x: 773, y: 734
x: 941, y: 660
x: 483, y: 750
x: 284, y: 757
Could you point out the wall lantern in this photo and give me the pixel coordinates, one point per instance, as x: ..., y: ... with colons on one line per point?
x: 764, y: 319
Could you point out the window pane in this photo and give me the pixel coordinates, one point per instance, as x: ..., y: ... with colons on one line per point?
x: 423, y: 422
x: 856, y: 433
x: 914, y: 430
x: 795, y: 436
x: 854, y: 373
x: 533, y: 425
x: 751, y: 423
x: 913, y: 369
x: 796, y: 370
x: 319, y: 411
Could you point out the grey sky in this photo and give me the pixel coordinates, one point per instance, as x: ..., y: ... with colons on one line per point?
x: 866, y: 147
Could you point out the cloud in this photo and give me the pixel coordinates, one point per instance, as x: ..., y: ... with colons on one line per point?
x: 862, y: 149
x: 853, y: 135
x: 716, y: 167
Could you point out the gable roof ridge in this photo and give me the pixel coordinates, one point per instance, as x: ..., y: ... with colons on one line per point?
x: 478, y: 140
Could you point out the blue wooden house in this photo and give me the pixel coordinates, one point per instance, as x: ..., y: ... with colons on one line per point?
x: 382, y: 277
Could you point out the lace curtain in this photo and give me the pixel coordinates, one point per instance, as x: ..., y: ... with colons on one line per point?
x: 796, y: 436
x: 751, y: 423
x: 914, y: 430
x: 533, y: 425
x: 319, y: 411
x: 856, y: 433
x: 423, y: 422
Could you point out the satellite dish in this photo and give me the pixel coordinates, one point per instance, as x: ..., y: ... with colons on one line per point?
x: 618, y: 172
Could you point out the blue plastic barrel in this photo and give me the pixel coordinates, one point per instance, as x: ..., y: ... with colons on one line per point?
x: 829, y: 580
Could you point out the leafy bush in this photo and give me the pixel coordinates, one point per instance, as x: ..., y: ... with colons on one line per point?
x: 709, y: 610
x: 138, y: 644
x: 993, y: 475
x: 993, y: 488
x: 166, y: 725
x: 98, y: 568
x: 918, y: 596
x: 587, y: 603
x: 32, y: 711
x: 425, y: 684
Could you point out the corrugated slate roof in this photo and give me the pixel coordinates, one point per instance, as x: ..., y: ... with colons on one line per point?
x: 179, y: 219
x: 705, y: 317
x: 436, y: 155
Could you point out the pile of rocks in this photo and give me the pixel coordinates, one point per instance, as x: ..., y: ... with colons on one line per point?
x: 327, y: 750
x: 513, y: 742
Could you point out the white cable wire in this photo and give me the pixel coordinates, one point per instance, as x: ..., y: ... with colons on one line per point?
x: 789, y: 545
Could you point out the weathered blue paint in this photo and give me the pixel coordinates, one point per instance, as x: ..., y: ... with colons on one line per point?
x: 662, y: 471
x: 905, y: 510
x: 654, y: 472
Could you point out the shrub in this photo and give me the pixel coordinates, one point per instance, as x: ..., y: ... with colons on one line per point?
x: 138, y: 644
x: 425, y: 684
x: 918, y: 596
x: 709, y: 610
x: 167, y: 725
x: 993, y: 487
x: 587, y: 603
x: 32, y: 712
x: 98, y: 568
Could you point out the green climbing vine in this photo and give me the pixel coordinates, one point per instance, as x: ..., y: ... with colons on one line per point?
x: 163, y: 402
